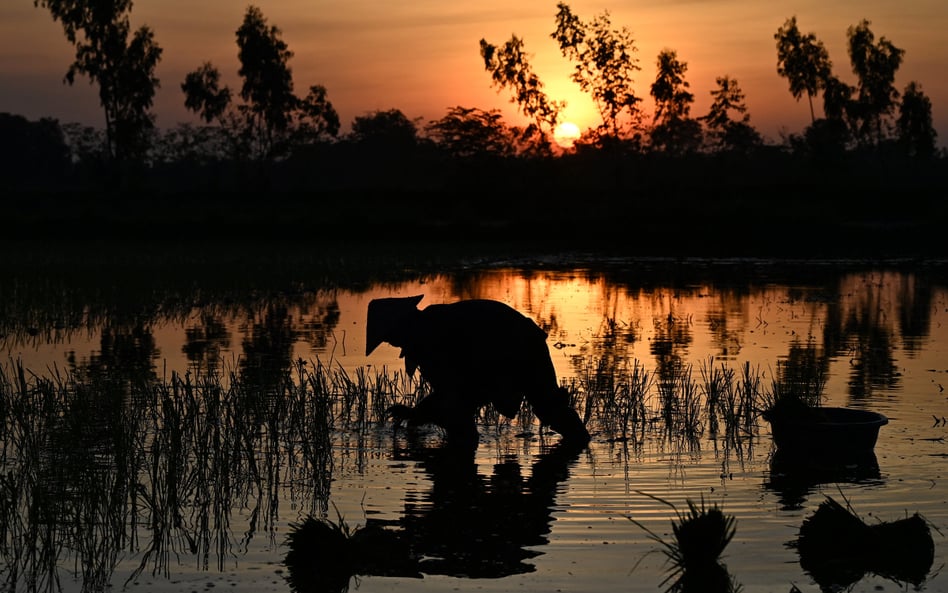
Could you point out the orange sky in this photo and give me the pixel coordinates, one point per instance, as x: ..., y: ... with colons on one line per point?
x: 422, y: 56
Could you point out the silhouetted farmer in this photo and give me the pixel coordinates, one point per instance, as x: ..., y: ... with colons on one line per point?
x: 473, y: 353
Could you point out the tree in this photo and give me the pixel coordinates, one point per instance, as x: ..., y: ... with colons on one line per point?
x: 272, y: 121
x: 510, y: 68
x: 673, y: 128
x: 264, y: 65
x: 203, y: 94
x: 837, y: 99
x: 802, y: 60
x: 123, y: 67
x: 470, y: 132
x: 386, y: 130
x: 829, y: 137
x: 875, y: 65
x: 605, y: 65
x: 32, y: 153
x: 727, y: 133
x: 916, y: 132
x: 316, y: 118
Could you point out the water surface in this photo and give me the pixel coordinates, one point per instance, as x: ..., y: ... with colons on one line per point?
x: 876, y: 331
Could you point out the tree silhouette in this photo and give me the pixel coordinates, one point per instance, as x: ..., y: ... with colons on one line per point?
x: 32, y: 153
x: 802, y: 60
x: 674, y: 130
x: 510, y: 68
x: 727, y: 133
x: 827, y: 138
x: 837, y: 99
x: 272, y: 120
x: 389, y: 130
x: 316, y: 117
x: 605, y: 65
x: 875, y: 65
x: 268, y: 80
x: 916, y: 133
x: 469, y: 132
x: 123, y: 67
x: 203, y: 94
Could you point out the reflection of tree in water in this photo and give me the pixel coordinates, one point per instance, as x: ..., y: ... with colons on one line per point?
x: 869, y: 337
x: 125, y: 352
x: 873, y: 362
x: 205, y: 341
x: 670, y: 341
x: 803, y: 372
x: 267, y: 350
x: 274, y: 330
x: 728, y: 306
x: 319, y: 323
x: 914, y: 298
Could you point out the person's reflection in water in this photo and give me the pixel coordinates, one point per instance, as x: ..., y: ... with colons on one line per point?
x: 467, y: 525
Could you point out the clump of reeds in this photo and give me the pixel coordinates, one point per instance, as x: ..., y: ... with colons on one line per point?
x: 94, y: 466
x: 680, y: 405
x: 323, y: 555
x: 700, y: 536
x: 838, y: 548
x: 615, y: 394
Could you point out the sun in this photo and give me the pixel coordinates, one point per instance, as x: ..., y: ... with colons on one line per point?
x: 566, y: 134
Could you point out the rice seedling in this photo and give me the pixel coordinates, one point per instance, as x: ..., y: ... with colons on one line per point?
x: 630, y: 397
x: 837, y: 547
x: 95, y: 467
x: 700, y: 536
x: 680, y: 406
x: 716, y: 382
x: 324, y: 555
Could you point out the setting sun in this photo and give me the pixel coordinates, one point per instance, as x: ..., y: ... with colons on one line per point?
x: 566, y: 134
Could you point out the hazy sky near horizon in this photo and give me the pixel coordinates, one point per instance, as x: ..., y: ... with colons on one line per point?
x: 422, y: 57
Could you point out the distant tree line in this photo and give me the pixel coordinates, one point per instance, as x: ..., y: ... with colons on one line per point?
x: 264, y: 132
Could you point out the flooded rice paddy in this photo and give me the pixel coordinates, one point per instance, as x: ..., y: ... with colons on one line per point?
x: 171, y: 435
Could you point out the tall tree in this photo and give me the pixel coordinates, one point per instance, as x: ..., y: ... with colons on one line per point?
x: 264, y: 65
x: 673, y: 128
x: 605, y: 65
x: 122, y: 63
x: 728, y: 133
x: 509, y: 67
x: 272, y: 120
x: 802, y: 60
x: 875, y: 65
x: 916, y: 132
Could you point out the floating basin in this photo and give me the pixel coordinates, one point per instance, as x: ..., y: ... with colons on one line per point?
x: 827, y: 431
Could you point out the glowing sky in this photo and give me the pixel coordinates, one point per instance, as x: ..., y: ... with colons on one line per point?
x: 422, y: 56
